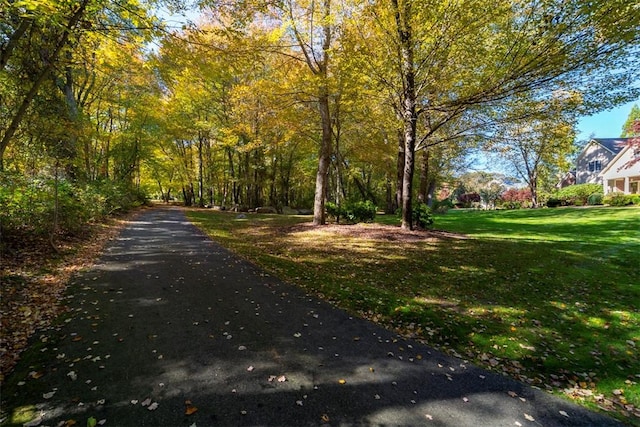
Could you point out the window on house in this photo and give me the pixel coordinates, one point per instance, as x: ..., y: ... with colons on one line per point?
x: 595, y: 166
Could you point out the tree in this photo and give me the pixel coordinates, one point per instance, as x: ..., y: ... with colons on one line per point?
x: 629, y: 124
x: 442, y: 60
x: 539, y: 145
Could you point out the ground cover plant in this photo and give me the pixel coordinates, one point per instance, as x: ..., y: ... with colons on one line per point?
x: 550, y: 296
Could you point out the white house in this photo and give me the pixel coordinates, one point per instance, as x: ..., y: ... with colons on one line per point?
x: 619, y: 176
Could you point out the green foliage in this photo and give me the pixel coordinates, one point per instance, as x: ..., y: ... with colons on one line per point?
x: 620, y: 199
x: 422, y: 216
x: 28, y: 204
x: 353, y: 212
x: 442, y: 206
x: 595, y: 199
x: 333, y: 210
x: 577, y: 195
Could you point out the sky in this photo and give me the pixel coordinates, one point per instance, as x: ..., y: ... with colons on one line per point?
x: 607, y: 124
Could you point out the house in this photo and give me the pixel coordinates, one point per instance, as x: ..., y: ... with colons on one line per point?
x: 595, y: 157
x: 620, y: 175
x: 567, y: 179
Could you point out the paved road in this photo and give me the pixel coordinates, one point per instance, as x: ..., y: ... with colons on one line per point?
x: 168, y: 321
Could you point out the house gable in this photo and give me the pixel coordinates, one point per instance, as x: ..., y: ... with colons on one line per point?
x: 595, y: 157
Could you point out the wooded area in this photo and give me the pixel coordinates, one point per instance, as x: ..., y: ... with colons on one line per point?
x: 290, y: 103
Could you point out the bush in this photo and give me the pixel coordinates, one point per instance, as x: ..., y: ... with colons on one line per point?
x: 442, y: 206
x: 353, y: 212
x: 421, y: 216
x: 511, y: 205
x: 28, y: 204
x: 619, y: 199
x: 554, y: 203
x: 333, y: 210
x: 595, y: 199
x: 578, y: 194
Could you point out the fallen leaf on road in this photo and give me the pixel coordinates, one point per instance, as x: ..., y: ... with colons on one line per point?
x: 91, y: 422
x: 146, y: 402
x: 190, y: 410
x: 153, y: 406
x: 564, y: 414
x: 48, y: 395
x: 529, y: 417
x: 35, y: 375
x: 282, y: 379
x: 342, y: 381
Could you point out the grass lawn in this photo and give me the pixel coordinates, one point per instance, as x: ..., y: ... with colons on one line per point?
x: 550, y: 296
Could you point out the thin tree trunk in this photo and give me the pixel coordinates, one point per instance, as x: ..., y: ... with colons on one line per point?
x: 400, y: 171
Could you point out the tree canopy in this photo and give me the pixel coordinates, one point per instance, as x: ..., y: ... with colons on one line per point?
x: 291, y: 104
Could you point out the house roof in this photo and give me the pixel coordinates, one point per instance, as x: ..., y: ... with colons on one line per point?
x: 615, y: 145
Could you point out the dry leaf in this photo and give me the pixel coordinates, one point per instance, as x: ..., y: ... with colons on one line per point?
x: 153, y: 406
x: 529, y: 417
x: 48, y: 395
x: 146, y: 402
x: 190, y: 410
x: 564, y: 414
x: 342, y: 381
x: 282, y: 379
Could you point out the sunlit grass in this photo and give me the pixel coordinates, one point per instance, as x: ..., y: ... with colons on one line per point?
x: 547, y: 296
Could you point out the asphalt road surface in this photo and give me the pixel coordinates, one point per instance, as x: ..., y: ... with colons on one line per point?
x: 170, y: 329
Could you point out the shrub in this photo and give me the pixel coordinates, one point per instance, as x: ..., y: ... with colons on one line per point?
x: 554, y: 203
x: 577, y: 194
x: 28, y: 204
x: 333, y: 210
x: 595, y: 199
x: 511, y: 205
x: 353, y: 212
x: 421, y: 216
x: 442, y: 206
x: 619, y: 199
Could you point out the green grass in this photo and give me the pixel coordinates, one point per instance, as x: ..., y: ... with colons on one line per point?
x: 549, y: 296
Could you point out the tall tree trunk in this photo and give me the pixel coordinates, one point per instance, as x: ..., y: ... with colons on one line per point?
x: 324, y: 159
x: 408, y: 108
x: 200, y: 173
